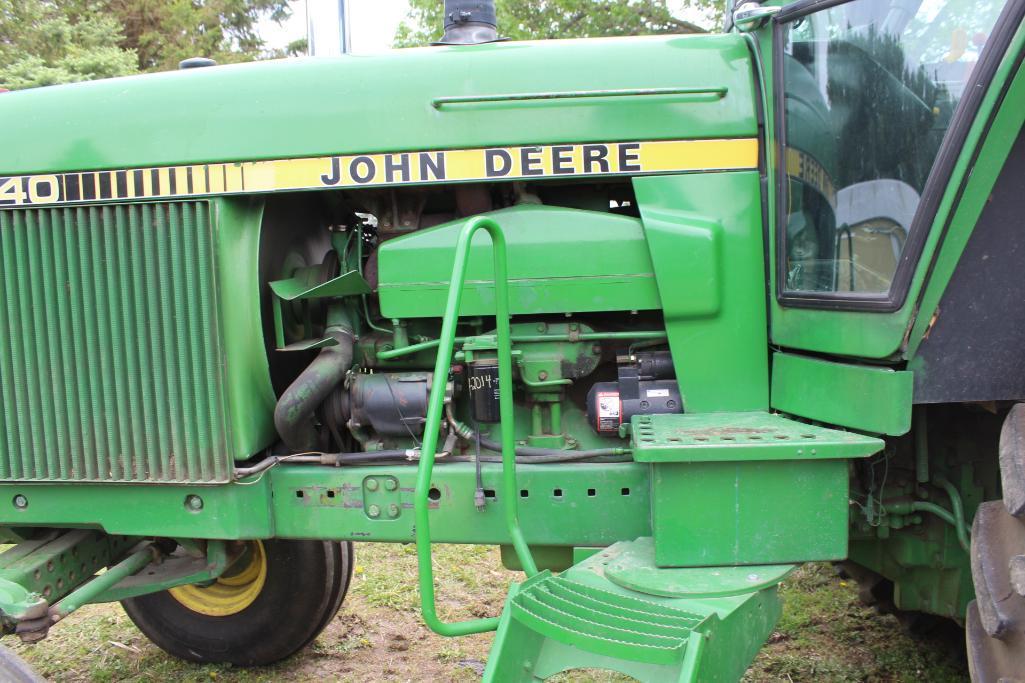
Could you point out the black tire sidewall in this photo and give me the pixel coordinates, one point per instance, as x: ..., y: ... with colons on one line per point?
x: 301, y: 584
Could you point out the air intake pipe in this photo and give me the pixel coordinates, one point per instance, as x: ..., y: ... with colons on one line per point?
x: 293, y: 415
x: 469, y: 22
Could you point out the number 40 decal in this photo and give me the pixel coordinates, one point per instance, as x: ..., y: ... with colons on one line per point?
x: 37, y: 189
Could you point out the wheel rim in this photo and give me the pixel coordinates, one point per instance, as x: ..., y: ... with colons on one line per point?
x: 231, y: 593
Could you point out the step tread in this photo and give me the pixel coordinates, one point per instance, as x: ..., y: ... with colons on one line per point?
x: 604, y: 622
x: 747, y: 436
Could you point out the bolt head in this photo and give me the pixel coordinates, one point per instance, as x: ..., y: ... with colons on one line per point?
x: 390, y: 484
x: 542, y: 375
x: 374, y: 511
x: 393, y: 510
x: 371, y: 484
x: 193, y: 502
x: 20, y: 502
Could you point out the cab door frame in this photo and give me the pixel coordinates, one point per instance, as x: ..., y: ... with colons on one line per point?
x: 876, y: 326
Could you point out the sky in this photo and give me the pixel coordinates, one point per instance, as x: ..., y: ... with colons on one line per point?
x: 372, y: 23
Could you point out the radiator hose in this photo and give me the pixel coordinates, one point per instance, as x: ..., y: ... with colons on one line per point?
x: 293, y: 415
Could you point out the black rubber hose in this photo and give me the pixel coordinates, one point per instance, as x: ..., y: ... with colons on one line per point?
x: 560, y: 455
x: 293, y: 415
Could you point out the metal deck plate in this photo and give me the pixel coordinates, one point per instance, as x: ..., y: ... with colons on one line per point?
x: 632, y: 565
x: 752, y: 436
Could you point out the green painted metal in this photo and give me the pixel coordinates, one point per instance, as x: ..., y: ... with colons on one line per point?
x: 170, y: 572
x: 228, y: 512
x: 709, y: 250
x: 113, y: 312
x: 995, y: 148
x: 634, y: 567
x: 433, y: 424
x: 616, y: 275
x: 296, y: 288
x: 307, y: 285
x: 741, y: 437
x: 869, y: 398
x: 640, y: 335
x: 248, y: 393
x: 581, y: 619
x: 91, y: 590
x: 18, y: 603
x: 612, y: 497
x: 52, y: 565
x: 688, y: 93
x: 301, y: 501
x: 746, y: 488
x: 137, y: 122
x: 761, y: 512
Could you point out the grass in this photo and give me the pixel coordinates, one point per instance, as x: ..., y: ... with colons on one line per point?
x: 825, y: 634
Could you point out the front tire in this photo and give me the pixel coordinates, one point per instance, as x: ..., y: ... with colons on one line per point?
x: 267, y: 606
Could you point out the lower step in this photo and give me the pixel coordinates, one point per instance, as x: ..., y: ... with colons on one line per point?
x: 618, y: 611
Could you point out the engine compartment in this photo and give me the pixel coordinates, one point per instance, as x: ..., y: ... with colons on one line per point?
x: 590, y: 348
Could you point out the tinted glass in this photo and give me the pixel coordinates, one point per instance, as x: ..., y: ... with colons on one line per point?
x: 870, y: 88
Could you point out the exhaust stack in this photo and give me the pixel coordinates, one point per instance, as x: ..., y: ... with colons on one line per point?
x: 327, y: 28
x: 469, y: 22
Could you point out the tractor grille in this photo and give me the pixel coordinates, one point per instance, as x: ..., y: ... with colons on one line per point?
x: 111, y: 361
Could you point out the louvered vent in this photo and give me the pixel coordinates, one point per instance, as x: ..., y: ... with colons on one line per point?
x: 110, y: 362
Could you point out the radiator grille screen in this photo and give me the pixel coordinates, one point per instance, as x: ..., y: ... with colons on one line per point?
x: 111, y: 362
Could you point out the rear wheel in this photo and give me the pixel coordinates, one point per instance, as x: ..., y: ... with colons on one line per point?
x: 995, y: 623
x: 274, y: 599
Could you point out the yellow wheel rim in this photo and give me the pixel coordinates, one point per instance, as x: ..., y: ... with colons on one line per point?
x: 232, y: 592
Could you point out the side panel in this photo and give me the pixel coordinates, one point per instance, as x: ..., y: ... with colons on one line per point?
x: 709, y: 225
x: 403, y: 100
x: 250, y: 397
x: 560, y: 261
x: 863, y: 397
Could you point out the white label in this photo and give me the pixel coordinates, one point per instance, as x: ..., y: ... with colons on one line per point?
x: 608, y: 405
x: 658, y: 393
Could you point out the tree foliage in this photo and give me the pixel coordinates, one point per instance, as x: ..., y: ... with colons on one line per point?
x: 542, y: 19
x: 164, y: 32
x: 46, y: 42
x: 41, y: 45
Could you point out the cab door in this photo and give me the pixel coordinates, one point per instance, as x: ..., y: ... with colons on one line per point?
x: 871, y: 103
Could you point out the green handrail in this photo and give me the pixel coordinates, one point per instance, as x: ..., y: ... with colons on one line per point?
x: 435, y: 408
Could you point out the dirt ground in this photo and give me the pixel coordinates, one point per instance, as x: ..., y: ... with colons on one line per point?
x: 824, y: 635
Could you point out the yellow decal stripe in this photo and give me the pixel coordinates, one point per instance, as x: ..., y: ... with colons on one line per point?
x: 529, y: 162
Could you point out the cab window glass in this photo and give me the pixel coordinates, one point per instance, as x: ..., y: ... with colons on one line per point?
x: 870, y: 88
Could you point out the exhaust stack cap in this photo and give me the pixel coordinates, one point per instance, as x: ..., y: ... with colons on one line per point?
x: 470, y: 22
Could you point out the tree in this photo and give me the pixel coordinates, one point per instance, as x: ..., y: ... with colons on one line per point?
x: 46, y: 42
x: 164, y: 32
x: 541, y: 19
x: 40, y: 45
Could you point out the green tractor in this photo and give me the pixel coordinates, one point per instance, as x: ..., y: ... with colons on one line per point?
x: 663, y: 317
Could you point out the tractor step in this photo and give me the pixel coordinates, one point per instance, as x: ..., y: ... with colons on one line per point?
x: 617, y: 611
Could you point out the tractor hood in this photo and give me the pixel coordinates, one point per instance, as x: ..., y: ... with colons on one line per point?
x: 526, y: 93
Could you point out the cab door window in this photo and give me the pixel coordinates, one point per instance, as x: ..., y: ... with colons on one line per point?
x: 870, y: 89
